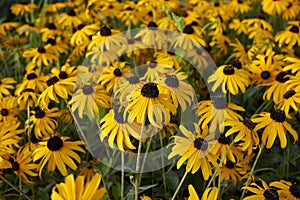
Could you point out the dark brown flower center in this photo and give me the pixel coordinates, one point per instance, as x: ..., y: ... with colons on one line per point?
x: 152, y: 26
x: 249, y: 124
x: 41, y: 49
x: 119, y: 116
x: 219, y: 103
x: 51, y: 26
x: 52, y: 81
x: 150, y: 90
x: 229, y: 164
x: 87, y: 90
x: 4, y: 112
x: 51, y: 41
x: 278, y: 115
x: 39, y: 114
x: 15, y: 166
x: 271, y: 194
x: 27, y: 90
x: 31, y: 76
x: 289, y: 94
x: 223, y: 139
x: 265, y: 74
x: 118, y: 72
x: 228, y: 70
x: 281, y: 77
x: 237, y: 64
x: 71, y: 12
x: 188, y: 29
x: 152, y: 64
x: 63, y: 75
x: 80, y: 26
x: 171, y: 53
x: 172, y: 81
x: 295, y: 190
x: 55, y: 143
x: 294, y: 29
x: 200, y: 144
x: 105, y: 31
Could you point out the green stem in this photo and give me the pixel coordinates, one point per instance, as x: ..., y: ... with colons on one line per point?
x: 137, y: 167
x: 252, y: 169
x: 163, y: 169
x: 14, y: 187
x: 179, y: 186
x: 263, y: 106
x: 122, y: 176
x: 5, y: 63
x: 43, y: 12
x: 145, y: 157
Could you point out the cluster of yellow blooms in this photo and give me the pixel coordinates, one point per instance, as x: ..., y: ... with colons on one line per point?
x: 135, y: 64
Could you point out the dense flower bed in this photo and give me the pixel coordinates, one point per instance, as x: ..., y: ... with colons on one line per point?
x: 66, y: 61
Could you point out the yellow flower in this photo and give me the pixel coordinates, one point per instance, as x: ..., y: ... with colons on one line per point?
x: 76, y: 189
x: 22, y: 165
x: 287, y: 190
x: 291, y: 99
x: 6, y: 84
x: 70, y: 18
x: 195, y: 149
x: 231, y: 77
x: 21, y: 9
x: 82, y: 33
x: 189, y: 39
x: 263, y: 192
x: 274, y: 124
x: 40, y: 55
x: 210, y: 193
x: 290, y: 36
x: 274, y: 7
x: 57, y: 152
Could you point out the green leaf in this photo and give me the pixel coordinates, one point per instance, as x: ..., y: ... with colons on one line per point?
x: 180, y: 52
x: 179, y: 22
x: 141, y: 189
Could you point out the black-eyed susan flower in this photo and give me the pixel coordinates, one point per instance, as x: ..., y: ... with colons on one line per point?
x: 291, y: 99
x: 216, y: 111
x: 7, y: 27
x: 221, y: 148
x: 210, y: 193
x: 78, y: 189
x: 244, y: 54
x: 56, y: 45
x: 274, y: 7
x: 240, y: 26
x: 290, y: 36
x: 156, y: 69
x: 263, y: 71
x: 247, y: 136
x: 125, y: 86
x: 23, y: 166
x: 87, y: 98
x: 115, y: 126
x: 57, y: 152
x: 287, y: 190
x: 70, y: 18
x: 277, y: 88
x: 6, y: 84
x: 261, y: 192
x: 40, y: 55
x: 240, y: 6
x: 32, y: 80
x: 291, y: 10
x: 44, y: 121
x: 112, y: 74
x: 181, y: 92
x: 193, y: 149
x: 8, y: 109
x: 274, y: 125
x: 108, y: 39
x: 189, y: 39
x: 150, y: 100
x: 193, y: 193
x: 151, y: 36
x: 170, y: 56
x: 9, y: 138
x: 234, y: 171
x: 27, y: 97
x: 83, y: 31
x: 50, y: 30
x: 59, y: 84
x: 231, y: 78
x: 22, y: 8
